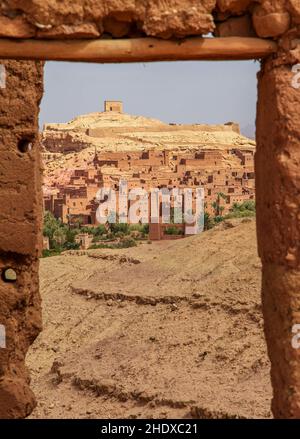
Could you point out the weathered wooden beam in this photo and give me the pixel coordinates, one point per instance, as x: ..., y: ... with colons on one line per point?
x: 137, y: 49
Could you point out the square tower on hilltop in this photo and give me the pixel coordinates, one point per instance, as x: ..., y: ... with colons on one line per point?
x: 113, y: 106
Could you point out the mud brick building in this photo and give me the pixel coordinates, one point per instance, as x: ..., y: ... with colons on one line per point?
x: 154, y: 169
x: 113, y: 106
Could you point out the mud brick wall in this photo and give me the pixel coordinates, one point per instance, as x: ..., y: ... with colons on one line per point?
x: 156, y: 18
x: 278, y: 223
x: 20, y: 223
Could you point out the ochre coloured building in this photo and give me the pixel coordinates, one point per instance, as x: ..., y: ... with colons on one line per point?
x: 220, y: 167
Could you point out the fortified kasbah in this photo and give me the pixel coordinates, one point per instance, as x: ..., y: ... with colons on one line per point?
x: 100, y: 149
x: 135, y: 326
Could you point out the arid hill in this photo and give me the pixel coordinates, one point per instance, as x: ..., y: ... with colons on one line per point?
x: 171, y: 329
x: 72, y: 145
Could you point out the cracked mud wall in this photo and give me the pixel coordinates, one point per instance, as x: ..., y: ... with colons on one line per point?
x: 91, y: 18
x: 20, y: 226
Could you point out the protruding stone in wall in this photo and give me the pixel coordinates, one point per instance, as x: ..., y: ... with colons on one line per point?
x: 80, y: 31
x: 270, y: 24
x: 16, y: 27
x: 234, y: 6
x: 294, y: 7
x: 236, y: 26
x: 20, y: 226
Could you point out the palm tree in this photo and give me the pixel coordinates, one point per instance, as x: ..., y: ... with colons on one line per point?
x: 217, y: 204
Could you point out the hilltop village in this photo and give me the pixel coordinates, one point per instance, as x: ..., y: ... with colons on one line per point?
x: 100, y: 149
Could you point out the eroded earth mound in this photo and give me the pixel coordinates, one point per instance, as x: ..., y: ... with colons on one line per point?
x: 168, y: 329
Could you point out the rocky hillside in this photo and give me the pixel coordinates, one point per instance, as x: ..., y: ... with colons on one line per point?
x: 72, y: 145
x: 171, y: 329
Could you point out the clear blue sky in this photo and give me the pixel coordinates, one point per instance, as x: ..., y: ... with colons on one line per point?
x: 180, y: 92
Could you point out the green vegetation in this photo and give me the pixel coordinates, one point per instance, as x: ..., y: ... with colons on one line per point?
x: 245, y: 209
x: 172, y: 230
x: 62, y: 236
x: 218, y: 208
x: 238, y: 210
x: 208, y: 221
x: 126, y: 243
x: 51, y: 252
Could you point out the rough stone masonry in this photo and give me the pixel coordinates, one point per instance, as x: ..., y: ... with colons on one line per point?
x: 277, y: 163
x: 20, y: 221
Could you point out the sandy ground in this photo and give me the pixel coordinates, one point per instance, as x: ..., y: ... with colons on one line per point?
x: 169, y: 329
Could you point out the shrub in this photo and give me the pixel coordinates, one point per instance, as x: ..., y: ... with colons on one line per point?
x: 172, y: 230
x: 218, y: 219
x: 208, y: 221
x: 99, y: 230
x: 52, y: 252
x: 88, y: 230
x: 246, y: 205
x: 242, y: 210
x: 72, y: 246
x: 120, y: 235
x: 120, y: 227
x: 126, y: 243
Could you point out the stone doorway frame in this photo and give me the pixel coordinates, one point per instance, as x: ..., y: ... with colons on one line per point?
x: 277, y: 162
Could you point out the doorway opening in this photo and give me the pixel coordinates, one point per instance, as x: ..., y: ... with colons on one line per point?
x: 139, y: 324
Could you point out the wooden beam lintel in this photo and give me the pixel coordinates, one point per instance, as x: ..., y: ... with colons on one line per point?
x: 137, y: 49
